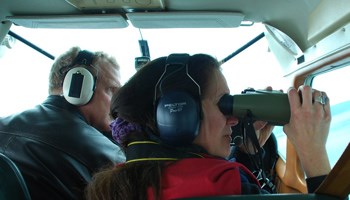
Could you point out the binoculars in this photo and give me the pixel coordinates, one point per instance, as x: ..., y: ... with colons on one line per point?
x: 260, y: 105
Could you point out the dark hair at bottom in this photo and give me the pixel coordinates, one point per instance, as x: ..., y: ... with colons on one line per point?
x: 127, y: 181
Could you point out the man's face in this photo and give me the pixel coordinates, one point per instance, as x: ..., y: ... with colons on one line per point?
x: 96, y: 111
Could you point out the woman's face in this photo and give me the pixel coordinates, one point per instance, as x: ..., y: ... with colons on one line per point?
x: 215, y: 130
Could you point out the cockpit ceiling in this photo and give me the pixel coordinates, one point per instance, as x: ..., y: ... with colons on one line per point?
x: 305, y: 21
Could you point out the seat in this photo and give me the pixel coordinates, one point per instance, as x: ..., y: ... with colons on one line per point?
x: 12, y: 184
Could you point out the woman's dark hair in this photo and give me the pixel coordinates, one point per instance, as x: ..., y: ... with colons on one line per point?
x: 134, y: 102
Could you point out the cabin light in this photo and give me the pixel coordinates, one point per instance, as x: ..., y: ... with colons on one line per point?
x: 8, y: 41
x: 286, y: 51
x: 115, y: 4
x: 6, y: 44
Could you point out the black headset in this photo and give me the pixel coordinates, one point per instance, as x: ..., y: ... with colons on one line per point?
x: 178, y: 113
x: 79, y: 83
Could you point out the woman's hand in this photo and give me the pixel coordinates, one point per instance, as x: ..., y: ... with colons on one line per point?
x: 308, y: 128
x: 263, y: 131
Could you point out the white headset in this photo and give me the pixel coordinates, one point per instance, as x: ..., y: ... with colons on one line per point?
x: 79, y: 83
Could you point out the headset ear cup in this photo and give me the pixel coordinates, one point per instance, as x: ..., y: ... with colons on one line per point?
x: 178, y: 118
x: 78, y: 86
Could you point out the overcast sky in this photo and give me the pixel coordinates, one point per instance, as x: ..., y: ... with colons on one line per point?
x: 24, y: 72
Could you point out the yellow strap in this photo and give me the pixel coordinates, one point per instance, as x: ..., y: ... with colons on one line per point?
x: 151, y: 159
x: 142, y: 142
x: 154, y: 159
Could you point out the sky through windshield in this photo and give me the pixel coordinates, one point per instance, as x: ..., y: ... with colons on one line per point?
x: 33, y: 68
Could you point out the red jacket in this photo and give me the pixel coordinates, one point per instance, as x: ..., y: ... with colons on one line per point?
x: 200, y: 177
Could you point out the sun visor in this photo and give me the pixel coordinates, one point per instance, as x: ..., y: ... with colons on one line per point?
x: 185, y: 19
x: 113, y: 4
x: 71, y: 21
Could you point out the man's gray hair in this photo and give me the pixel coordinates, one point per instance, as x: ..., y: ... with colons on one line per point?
x: 64, y: 62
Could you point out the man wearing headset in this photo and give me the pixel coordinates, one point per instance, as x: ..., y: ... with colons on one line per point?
x: 60, y: 143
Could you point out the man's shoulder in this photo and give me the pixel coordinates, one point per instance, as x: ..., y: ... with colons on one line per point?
x: 66, y: 138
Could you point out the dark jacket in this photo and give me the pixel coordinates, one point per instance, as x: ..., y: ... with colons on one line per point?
x: 270, y: 157
x: 55, y: 148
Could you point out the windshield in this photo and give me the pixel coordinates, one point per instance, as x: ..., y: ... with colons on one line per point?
x: 24, y: 71
x: 254, y: 67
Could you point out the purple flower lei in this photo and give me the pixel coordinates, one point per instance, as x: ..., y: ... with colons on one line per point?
x: 120, y: 128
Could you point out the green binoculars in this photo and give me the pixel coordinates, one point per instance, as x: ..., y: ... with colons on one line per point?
x: 261, y: 105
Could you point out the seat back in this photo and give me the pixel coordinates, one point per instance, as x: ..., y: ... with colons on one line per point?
x: 12, y: 184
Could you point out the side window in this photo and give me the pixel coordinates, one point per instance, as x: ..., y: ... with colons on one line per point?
x: 335, y: 84
x: 23, y: 78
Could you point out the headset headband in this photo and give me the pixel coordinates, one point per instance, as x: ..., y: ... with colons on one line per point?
x: 84, y: 58
x: 174, y: 59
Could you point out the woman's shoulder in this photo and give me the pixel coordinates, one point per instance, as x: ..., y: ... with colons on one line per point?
x: 215, y: 176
